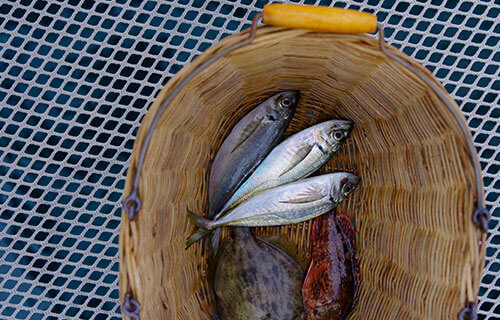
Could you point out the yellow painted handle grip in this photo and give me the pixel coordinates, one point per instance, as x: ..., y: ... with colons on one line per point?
x: 319, y: 18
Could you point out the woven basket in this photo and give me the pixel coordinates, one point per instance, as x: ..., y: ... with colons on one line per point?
x: 420, y: 253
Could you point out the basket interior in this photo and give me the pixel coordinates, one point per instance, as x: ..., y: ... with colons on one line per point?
x: 416, y: 244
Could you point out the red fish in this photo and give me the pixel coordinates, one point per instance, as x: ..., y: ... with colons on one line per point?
x: 332, y: 280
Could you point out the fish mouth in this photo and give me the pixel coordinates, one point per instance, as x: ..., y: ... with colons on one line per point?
x: 339, y: 191
x: 353, y: 180
x: 345, y: 125
x: 335, y: 200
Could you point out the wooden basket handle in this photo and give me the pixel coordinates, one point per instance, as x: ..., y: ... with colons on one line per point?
x: 319, y: 18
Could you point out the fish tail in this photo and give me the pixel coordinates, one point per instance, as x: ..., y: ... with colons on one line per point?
x: 197, y: 236
x: 200, y: 222
x: 204, y: 225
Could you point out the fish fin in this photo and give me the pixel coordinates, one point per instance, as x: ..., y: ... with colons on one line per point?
x: 282, y: 243
x: 311, y: 194
x: 314, y: 159
x: 200, y: 222
x: 321, y: 276
x: 247, y: 132
x: 195, y: 237
x: 313, y: 288
x: 298, y: 157
x: 319, y: 224
x: 214, y: 261
x: 319, y: 273
x: 315, y: 229
x: 346, y: 226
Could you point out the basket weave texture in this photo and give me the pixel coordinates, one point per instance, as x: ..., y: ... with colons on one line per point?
x: 418, y: 248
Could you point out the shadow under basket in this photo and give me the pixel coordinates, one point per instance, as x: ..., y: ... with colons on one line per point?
x: 419, y: 250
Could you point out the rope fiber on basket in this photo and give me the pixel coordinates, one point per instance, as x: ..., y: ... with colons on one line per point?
x: 132, y: 204
x: 480, y: 216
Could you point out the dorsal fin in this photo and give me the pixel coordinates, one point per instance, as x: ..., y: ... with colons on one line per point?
x: 346, y: 226
x: 300, y: 155
x: 348, y: 230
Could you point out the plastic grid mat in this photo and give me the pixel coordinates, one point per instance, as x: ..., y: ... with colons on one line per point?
x: 76, y: 77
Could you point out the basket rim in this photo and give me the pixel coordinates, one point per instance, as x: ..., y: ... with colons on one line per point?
x: 128, y: 229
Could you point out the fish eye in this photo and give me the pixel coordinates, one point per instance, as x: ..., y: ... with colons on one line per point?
x: 347, y: 188
x: 286, y: 102
x: 338, y: 135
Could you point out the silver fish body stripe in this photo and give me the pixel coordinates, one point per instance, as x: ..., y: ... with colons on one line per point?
x: 291, y: 203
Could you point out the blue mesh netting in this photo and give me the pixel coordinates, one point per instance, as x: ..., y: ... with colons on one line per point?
x: 76, y: 77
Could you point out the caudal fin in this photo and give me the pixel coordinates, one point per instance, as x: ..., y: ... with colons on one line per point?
x: 200, y: 222
x: 197, y: 236
x: 205, y: 226
x: 201, y: 233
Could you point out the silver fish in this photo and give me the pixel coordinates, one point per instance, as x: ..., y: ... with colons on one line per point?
x: 297, y: 157
x: 291, y: 203
x: 251, y: 139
